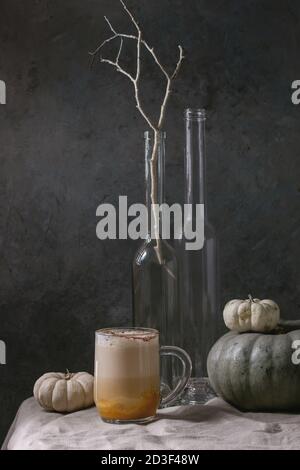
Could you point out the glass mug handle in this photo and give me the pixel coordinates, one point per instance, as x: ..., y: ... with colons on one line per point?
x: 186, y: 371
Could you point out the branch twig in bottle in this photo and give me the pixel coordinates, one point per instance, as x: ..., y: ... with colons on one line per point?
x: 135, y: 80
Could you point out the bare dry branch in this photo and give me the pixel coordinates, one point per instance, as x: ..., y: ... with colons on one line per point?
x: 178, y: 65
x: 135, y: 81
x: 110, y: 26
x: 151, y: 50
x: 120, y: 50
x: 140, y: 109
x: 97, y: 50
x: 158, y: 63
x: 118, y: 67
x: 140, y: 41
x: 164, y: 104
x: 168, y: 88
x: 131, y: 16
x: 138, y: 56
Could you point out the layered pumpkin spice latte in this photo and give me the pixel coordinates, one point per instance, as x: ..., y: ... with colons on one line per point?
x: 127, y: 380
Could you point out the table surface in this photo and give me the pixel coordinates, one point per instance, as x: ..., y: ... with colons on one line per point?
x: 215, y: 425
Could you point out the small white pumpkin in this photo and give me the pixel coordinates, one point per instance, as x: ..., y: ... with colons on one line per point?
x: 251, y: 315
x: 56, y: 391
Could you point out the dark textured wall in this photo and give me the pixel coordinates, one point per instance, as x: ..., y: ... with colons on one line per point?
x: 71, y: 138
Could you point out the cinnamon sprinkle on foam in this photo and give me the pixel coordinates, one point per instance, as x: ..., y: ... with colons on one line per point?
x: 130, y: 333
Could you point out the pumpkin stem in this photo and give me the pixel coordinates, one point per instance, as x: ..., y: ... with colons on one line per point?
x: 250, y: 298
x: 68, y: 374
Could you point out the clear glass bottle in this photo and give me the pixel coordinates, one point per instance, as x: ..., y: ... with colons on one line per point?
x: 199, y: 317
x: 155, y: 266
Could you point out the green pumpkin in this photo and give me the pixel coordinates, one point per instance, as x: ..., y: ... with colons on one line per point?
x: 255, y: 371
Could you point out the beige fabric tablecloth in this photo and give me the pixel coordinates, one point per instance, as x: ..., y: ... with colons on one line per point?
x: 215, y: 425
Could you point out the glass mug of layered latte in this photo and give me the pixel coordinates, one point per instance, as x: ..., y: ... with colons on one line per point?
x: 127, y: 374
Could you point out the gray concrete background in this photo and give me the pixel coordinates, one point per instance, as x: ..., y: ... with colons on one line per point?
x: 71, y: 138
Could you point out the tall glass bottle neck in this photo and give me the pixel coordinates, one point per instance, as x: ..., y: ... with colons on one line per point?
x: 195, y: 185
x: 154, y: 170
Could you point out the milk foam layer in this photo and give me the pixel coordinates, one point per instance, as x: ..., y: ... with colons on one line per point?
x: 126, y: 353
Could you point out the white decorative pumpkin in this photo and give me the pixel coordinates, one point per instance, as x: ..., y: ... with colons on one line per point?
x: 56, y: 391
x: 251, y: 315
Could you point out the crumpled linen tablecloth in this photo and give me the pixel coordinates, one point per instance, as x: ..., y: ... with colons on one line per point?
x: 215, y: 425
